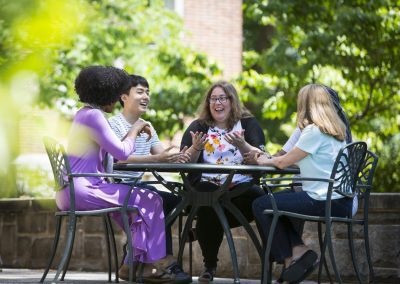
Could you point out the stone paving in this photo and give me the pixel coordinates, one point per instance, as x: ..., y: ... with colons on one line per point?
x: 74, y: 277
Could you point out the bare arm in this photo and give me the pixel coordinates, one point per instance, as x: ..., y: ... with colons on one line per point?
x: 281, y: 152
x: 284, y: 161
x: 158, y: 155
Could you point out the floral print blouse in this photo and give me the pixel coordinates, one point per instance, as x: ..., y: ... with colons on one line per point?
x: 218, y: 151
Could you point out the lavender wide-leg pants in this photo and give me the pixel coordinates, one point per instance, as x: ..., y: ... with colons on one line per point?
x: 147, y: 227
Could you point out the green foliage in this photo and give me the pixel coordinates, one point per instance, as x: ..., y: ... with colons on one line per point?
x: 146, y: 39
x: 34, y: 181
x: 349, y: 45
x: 30, y: 31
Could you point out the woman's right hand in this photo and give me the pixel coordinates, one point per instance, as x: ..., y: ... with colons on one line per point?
x: 199, y: 140
x: 252, y: 157
x: 141, y: 126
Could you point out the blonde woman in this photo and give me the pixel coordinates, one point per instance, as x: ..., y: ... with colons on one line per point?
x: 323, y: 133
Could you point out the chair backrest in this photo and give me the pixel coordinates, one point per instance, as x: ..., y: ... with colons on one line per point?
x: 367, y: 172
x: 347, y: 167
x: 59, y: 162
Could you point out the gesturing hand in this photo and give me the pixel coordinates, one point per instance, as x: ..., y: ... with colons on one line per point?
x: 185, y: 157
x: 236, y: 138
x: 167, y: 157
x: 141, y: 126
x: 199, y: 139
x: 253, y: 157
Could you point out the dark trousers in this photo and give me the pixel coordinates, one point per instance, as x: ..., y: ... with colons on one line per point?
x: 170, y: 201
x: 209, y: 230
x: 286, y: 237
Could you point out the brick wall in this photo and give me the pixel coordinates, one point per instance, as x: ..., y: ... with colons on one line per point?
x: 27, y: 228
x: 216, y: 29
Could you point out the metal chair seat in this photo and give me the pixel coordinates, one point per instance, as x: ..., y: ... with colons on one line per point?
x: 345, y: 180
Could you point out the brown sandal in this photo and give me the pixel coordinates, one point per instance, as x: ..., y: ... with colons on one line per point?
x: 147, y: 273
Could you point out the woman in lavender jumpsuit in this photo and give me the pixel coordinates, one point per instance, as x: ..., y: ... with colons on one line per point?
x: 89, y: 140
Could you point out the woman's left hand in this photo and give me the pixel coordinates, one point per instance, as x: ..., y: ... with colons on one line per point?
x: 236, y: 138
x: 250, y: 158
x: 264, y: 160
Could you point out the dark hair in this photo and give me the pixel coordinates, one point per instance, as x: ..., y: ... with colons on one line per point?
x: 238, y: 111
x: 136, y: 80
x: 101, y: 85
x: 336, y: 102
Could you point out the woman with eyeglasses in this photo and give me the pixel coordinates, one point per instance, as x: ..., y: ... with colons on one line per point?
x: 222, y: 134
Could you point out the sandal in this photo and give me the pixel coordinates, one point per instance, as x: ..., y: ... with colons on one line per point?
x: 152, y: 274
x: 147, y: 273
x: 300, y: 268
x: 207, y: 275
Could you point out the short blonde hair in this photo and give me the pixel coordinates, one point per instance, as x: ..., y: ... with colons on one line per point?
x: 238, y: 111
x: 315, y: 106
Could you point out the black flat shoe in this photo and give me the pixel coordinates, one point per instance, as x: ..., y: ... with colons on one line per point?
x: 300, y: 268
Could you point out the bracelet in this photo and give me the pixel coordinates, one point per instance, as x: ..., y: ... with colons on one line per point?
x: 197, y: 149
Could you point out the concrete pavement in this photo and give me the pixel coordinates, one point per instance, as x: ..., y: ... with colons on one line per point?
x: 9, y: 275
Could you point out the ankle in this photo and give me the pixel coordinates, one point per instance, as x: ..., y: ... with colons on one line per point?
x: 287, y: 261
x: 298, y: 251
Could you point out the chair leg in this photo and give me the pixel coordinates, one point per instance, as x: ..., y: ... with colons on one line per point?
x: 54, y: 249
x: 266, y: 262
x: 69, y: 254
x: 114, y: 247
x: 322, y: 258
x: 228, y: 234
x: 243, y: 221
x: 190, y: 258
x: 352, y: 252
x: 269, y: 279
x: 108, y: 246
x: 184, y: 235
x: 127, y: 229
x: 68, y: 248
x: 328, y: 240
x: 368, y: 252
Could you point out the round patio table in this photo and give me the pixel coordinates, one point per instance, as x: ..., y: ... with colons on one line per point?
x: 218, y: 200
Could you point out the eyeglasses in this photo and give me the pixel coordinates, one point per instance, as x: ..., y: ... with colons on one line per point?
x: 222, y: 100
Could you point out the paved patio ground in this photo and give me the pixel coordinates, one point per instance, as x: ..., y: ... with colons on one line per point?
x: 74, y: 277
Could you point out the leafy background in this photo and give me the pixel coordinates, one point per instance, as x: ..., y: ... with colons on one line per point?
x: 349, y: 45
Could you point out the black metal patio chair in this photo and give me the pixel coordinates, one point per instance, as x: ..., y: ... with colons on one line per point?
x: 364, y: 187
x: 64, y: 177
x: 343, y: 180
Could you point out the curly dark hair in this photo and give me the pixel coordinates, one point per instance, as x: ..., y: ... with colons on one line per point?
x: 101, y: 85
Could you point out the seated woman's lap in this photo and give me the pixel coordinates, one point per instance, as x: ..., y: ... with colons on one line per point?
x: 302, y: 203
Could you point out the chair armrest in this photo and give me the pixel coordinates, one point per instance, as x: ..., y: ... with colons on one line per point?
x: 364, y: 186
x: 170, y: 185
x: 297, y: 179
x: 109, y: 175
